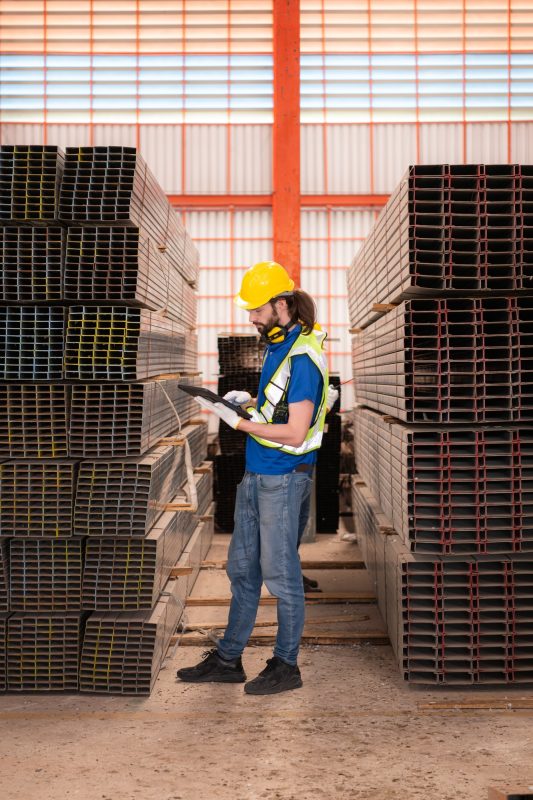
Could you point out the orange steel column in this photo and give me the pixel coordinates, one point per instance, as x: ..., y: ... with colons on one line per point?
x: 286, y: 136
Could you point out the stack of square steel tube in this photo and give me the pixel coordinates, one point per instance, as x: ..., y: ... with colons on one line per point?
x: 441, y: 302
x: 97, y: 320
x: 240, y: 357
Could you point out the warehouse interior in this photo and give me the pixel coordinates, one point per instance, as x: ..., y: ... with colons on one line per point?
x: 151, y: 153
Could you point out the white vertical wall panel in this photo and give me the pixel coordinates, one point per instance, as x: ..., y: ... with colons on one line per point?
x: 115, y: 135
x: 486, y: 143
x: 313, y: 225
x: 441, y: 143
x: 349, y: 226
x: 20, y: 133
x: 347, y: 150
x: 522, y: 142
x: 161, y: 147
x: 253, y: 224
x: 206, y: 147
x: 210, y: 225
x: 69, y: 135
x: 251, y: 159
x: 394, y: 150
x: 312, y: 159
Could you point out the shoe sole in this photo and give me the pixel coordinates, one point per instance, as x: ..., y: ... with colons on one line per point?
x: 273, y: 689
x: 209, y: 679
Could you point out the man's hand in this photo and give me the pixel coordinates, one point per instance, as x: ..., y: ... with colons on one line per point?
x: 230, y: 417
x: 238, y: 398
x: 332, y: 396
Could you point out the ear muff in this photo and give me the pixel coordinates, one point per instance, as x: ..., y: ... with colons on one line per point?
x: 276, y: 334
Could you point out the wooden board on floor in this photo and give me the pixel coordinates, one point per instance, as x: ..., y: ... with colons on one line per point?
x: 322, y: 598
x: 263, y: 638
x: 306, y: 564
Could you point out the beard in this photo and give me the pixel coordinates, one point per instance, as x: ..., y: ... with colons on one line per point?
x: 265, y: 328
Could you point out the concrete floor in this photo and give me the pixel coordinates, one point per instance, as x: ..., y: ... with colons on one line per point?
x: 354, y: 731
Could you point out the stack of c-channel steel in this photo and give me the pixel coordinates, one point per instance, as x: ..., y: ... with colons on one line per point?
x: 97, y: 317
x: 441, y: 301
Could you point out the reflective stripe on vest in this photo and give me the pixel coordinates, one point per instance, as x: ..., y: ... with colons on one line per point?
x: 311, y: 345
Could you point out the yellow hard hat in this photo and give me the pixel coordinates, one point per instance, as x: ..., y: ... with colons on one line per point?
x: 261, y: 283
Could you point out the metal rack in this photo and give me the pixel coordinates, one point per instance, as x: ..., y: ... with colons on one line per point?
x: 37, y: 498
x: 449, y: 360
x: 45, y: 574
x: 128, y: 497
x: 30, y: 177
x: 43, y: 652
x: 451, y: 229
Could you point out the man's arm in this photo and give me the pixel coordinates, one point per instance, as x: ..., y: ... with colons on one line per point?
x: 292, y: 432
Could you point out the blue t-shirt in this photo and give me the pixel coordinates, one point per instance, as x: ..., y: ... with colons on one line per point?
x: 305, y: 384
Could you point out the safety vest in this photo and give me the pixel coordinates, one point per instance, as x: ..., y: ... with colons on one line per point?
x: 311, y: 345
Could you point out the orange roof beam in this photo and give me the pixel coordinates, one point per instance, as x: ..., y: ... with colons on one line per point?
x: 266, y: 200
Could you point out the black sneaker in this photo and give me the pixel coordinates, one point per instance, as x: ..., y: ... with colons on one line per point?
x: 213, y: 669
x: 310, y: 585
x: 278, y: 676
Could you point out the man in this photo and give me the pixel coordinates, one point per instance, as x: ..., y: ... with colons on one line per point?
x: 272, y: 504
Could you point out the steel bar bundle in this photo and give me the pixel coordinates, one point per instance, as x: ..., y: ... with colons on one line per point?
x: 36, y: 498
x: 230, y: 440
x: 238, y: 353
x: 43, y: 652
x: 123, y: 652
x: 450, y: 621
x: 204, y: 487
x: 447, y: 229
x: 229, y: 471
x: 113, y: 420
x: 113, y: 186
x: 120, y: 344
x: 33, y: 421
x: 45, y: 574
x: 452, y: 490
x: 121, y: 266
x: 196, y: 551
x: 31, y: 343
x: 449, y: 360
x: 31, y: 264
x: 125, y: 498
x: 29, y: 182
x: 4, y: 576
x: 327, y: 471
x: 3, y: 656
x: 130, y: 574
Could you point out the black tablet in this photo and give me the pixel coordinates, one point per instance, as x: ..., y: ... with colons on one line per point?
x: 207, y: 394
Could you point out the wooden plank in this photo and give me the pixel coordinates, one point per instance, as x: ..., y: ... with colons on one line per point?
x: 306, y: 564
x: 384, y: 306
x: 367, y: 637
x: 520, y: 793
x: 176, y: 571
x: 497, y: 704
x: 310, y: 599
x: 209, y: 626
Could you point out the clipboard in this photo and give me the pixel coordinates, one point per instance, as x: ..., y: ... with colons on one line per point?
x: 207, y: 394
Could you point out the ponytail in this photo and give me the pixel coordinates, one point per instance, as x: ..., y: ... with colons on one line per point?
x: 302, y: 309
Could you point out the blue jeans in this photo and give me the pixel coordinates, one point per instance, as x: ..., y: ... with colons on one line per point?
x: 270, y: 516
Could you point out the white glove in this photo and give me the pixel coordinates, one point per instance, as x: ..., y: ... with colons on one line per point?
x: 230, y: 417
x: 332, y: 396
x: 237, y: 397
